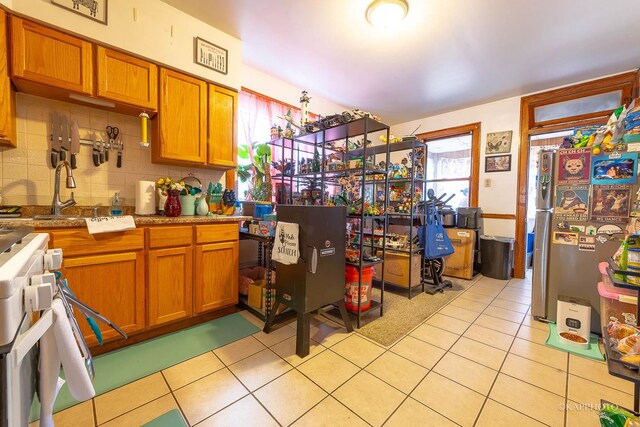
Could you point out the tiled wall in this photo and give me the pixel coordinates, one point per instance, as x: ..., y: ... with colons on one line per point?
x: 27, y: 177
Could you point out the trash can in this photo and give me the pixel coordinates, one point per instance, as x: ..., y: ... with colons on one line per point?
x: 497, y: 256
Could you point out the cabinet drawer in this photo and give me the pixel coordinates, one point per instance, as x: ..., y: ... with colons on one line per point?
x: 165, y: 237
x: 79, y: 242
x: 216, y: 233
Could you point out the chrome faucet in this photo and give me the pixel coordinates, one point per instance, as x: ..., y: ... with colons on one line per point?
x: 57, y: 205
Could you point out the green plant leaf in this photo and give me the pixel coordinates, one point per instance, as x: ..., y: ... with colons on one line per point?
x: 243, y: 151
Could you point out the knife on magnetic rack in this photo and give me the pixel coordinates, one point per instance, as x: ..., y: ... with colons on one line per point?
x: 64, y: 134
x: 55, y: 139
x: 75, y: 143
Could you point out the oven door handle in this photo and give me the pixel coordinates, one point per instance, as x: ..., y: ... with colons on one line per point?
x: 26, y: 341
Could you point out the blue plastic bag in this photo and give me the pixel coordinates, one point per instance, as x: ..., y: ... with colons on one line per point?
x: 433, y: 238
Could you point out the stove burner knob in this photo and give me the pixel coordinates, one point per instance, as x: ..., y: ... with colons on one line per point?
x: 53, y: 259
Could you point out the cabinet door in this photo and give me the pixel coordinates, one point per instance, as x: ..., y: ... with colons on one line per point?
x: 123, y: 78
x: 181, y: 124
x: 223, y: 115
x: 170, y: 284
x: 216, y: 276
x: 42, y: 55
x: 113, y: 285
x: 7, y: 95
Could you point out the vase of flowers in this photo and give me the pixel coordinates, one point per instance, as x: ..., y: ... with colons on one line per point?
x: 171, y: 189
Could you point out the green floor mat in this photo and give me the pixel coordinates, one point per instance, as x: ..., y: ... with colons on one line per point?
x: 123, y: 366
x: 593, y: 352
x: 173, y: 418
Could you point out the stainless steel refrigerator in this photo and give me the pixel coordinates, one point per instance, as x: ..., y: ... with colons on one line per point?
x: 563, y: 269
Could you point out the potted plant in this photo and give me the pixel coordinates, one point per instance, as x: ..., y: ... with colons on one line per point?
x: 257, y: 173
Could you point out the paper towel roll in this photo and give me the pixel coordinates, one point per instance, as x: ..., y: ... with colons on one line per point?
x: 145, y: 198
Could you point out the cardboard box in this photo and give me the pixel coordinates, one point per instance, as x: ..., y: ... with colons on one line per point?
x: 460, y: 263
x: 396, y: 269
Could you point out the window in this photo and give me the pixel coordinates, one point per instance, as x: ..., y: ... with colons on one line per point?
x: 257, y: 113
x: 452, y: 164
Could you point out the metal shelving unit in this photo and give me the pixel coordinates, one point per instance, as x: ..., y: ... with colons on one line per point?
x: 414, y: 215
x: 321, y: 146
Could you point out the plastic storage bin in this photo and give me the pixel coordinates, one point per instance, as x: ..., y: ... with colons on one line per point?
x: 617, y: 303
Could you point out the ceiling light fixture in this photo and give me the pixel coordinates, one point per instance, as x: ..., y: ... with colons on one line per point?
x: 385, y: 14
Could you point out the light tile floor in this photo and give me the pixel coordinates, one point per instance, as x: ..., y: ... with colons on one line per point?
x: 480, y: 361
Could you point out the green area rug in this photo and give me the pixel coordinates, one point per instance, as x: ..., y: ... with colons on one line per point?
x: 123, y: 366
x: 173, y: 418
x: 593, y: 352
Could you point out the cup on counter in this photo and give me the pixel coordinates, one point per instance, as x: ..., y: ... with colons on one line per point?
x: 188, y: 203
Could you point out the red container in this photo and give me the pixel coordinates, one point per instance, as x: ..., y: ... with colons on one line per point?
x: 351, y: 284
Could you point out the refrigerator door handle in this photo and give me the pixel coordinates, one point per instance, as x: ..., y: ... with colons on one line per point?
x: 312, y: 264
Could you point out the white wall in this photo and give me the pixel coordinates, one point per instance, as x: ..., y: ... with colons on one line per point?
x: 160, y: 33
x: 496, y: 116
x: 268, y: 85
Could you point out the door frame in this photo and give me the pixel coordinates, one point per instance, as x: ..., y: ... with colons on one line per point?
x: 626, y: 82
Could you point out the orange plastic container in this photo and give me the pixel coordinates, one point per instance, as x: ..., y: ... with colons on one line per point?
x: 351, y: 288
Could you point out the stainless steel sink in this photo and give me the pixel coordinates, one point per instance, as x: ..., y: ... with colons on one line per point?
x: 57, y: 217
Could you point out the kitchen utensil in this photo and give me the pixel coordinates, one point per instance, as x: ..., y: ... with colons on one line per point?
x: 96, y: 150
x: 64, y: 134
x: 55, y: 139
x: 191, y: 182
x: 101, y: 155
x: 120, y: 148
x: 112, y: 132
x: 75, y: 143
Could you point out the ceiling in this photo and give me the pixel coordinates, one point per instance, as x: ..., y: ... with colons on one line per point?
x: 446, y: 55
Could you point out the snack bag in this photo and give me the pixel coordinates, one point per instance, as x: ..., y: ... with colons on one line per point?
x: 613, y: 416
x: 618, y: 331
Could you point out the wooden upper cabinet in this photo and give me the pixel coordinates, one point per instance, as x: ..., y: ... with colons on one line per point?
x: 179, y: 131
x: 43, y: 55
x: 123, y: 78
x: 223, y: 116
x: 7, y: 95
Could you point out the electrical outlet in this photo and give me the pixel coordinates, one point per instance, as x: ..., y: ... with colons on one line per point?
x: 487, y: 183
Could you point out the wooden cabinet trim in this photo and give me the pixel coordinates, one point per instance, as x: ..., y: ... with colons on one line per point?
x: 99, y: 259
x: 76, y: 242
x: 7, y: 94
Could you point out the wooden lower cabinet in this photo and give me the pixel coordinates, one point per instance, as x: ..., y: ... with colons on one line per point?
x: 216, y: 276
x: 112, y: 284
x: 170, y: 284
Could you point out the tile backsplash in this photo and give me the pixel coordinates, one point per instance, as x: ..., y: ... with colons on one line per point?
x: 27, y: 176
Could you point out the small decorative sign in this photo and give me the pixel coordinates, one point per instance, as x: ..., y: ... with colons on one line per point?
x: 572, y: 203
x: 497, y: 163
x: 610, y: 203
x: 210, y: 55
x: 562, y: 238
x: 616, y: 168
x: 92, y: 9
x: 499, y: 142
x: 574, y: 166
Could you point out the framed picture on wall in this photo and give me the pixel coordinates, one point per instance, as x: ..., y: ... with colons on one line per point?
x: 92, y: 9
x: 210, y: 55
x: 499, y: 142
x: 497, y: 163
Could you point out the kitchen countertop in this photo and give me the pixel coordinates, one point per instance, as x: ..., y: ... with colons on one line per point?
x: 139, y: 220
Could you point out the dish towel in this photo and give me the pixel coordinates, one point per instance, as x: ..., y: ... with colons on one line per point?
x: 286, y: 248
x: 58, y: 346
x: 109, y: 224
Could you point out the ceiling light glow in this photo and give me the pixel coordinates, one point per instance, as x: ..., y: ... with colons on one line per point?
x: 385, y: 14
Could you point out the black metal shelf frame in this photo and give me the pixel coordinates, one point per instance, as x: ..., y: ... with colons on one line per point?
x: 319, y: 142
